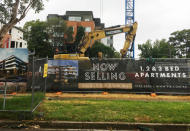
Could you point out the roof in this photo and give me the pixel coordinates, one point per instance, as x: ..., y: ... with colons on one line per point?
x: 69, y: 13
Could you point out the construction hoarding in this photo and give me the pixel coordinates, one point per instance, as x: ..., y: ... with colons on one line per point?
x: 146, y: 75
x: 122, y: 75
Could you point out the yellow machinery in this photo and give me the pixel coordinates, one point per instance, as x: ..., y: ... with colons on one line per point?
x: 89, y: 39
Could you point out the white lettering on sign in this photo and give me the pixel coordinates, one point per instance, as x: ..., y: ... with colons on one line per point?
x: 161, y: 75
x: 104, y: 66
x: 113, y: 32
x: 161, y: 72
x: 110, y: 71
x: 105, y: 76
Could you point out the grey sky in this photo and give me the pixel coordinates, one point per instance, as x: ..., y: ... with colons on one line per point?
x: 157, y: 19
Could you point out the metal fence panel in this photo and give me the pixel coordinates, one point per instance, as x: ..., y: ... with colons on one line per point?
x: 16, y: 96
x: 13, y: 79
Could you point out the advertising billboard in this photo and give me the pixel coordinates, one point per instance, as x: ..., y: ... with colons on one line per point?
x: 13, y: 65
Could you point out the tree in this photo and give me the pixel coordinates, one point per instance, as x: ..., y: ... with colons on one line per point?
x: 59, y: 32
x: 108, y: 52
x: 80, y: 35
x: 181, y: 41
x: 13, y: 11
x: 38, y: 38
x: 157, y: 49
x: 146, y: 49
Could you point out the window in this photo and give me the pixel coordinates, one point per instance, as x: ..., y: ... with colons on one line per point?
x: 16, y: 44
x: 12, y: 44
x: 87, y: 29
x: 10, y: 32
x: 74, y: 18
x: 20, y: 44
x: 87, y: 19
x: 73, y: 28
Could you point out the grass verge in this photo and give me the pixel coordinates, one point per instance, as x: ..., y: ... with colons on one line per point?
x: 19, y: 106
x: 116, y: 111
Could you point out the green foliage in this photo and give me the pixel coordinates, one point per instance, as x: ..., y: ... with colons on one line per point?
x: 146, y: 49
x: 38, y: 37
x: 12, y: 9
x: 117, y: 54
x: 181, y: 41
x: 108, y: 52
x: 69, y: 34
x: 58, y: 31
x: 79, y: 36
x: 157, y: 49
x: 44, y: 37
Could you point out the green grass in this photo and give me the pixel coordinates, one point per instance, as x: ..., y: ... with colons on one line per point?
x: 19, y: 103
x: 116, y: 111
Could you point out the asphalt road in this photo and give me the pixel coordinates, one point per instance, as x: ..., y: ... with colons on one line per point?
x: 5, y: 129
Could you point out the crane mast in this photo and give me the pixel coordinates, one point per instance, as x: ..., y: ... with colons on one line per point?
x: 130, y: 18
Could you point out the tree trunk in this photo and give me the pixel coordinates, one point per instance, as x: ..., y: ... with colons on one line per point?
x: 5, y: 29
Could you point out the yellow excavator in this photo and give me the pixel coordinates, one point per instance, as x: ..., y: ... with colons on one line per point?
x: 89, y: 39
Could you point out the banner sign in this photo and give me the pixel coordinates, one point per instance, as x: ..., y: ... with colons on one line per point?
x: 148, y: 75
x: 63, y: 74
x: 45, y: 70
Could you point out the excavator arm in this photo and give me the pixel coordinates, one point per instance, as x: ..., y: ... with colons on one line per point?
x: 89, y: 39
x: 130, y: 37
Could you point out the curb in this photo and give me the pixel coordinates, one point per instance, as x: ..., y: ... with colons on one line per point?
x: 100, y: 125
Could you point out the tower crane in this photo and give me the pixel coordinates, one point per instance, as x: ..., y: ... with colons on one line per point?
x: 130, y: 18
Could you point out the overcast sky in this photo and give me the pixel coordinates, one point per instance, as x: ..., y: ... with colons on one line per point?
x: 157, y: 19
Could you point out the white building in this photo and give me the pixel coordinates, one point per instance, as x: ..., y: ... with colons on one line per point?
x: 17, y: 40
x: 14, y: 38
x: 108, y: 41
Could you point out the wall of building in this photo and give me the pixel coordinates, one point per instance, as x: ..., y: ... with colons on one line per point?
x: 14, y: 38
x: 6, y: 41
x: 88, y: 25
x: 85, y: 19
x: 108, y: 41
x: 17, y: 39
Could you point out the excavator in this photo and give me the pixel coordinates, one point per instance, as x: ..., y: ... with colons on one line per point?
x: 89, y: 39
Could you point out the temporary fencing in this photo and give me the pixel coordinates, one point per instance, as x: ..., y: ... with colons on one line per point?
x: 171, y: 76
x: 24, y: 96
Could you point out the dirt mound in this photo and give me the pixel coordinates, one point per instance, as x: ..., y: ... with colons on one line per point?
x: 120, y: 96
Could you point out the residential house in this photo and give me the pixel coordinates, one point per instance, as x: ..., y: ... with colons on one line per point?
x: 14, y: 38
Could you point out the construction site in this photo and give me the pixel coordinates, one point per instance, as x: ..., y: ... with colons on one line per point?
x: 70, y: 81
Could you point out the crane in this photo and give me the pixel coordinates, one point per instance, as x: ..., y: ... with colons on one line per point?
x: 130, y: 17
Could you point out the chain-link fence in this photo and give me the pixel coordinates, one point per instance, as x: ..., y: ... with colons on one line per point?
x: 24, y: 92
x: 120, y: 75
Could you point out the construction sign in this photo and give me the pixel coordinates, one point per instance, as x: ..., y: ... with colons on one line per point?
x: 45, y: 70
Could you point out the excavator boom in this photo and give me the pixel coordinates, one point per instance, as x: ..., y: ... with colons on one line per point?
x: 89, y: 39
x: 99, y: 34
